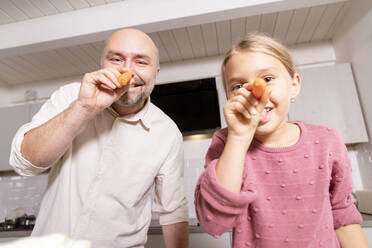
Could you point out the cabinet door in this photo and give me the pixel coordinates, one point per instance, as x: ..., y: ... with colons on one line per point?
x: 12, y: 118
x: 329, y: 97
x: 368, y: 234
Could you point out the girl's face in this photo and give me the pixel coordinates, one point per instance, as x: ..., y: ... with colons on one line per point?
x: 245, y: 67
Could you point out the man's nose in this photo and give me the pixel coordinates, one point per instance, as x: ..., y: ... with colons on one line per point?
x: 128, y: 64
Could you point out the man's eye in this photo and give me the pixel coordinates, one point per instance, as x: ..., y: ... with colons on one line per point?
x: 141, y: 62
x: 116, y: 59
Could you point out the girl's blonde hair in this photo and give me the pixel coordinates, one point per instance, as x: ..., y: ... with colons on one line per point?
x: 255, y: 42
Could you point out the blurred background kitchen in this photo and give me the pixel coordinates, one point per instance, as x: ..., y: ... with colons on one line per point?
x: 45, y: 44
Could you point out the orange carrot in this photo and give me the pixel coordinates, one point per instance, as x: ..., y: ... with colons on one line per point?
x: 125, y: 78
x: 259, y: 87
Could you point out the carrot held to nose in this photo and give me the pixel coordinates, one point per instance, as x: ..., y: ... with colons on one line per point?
x: 125, y: 77
x: 258, y: 87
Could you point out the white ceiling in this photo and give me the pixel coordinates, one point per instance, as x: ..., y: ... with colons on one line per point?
x: 194, y: 37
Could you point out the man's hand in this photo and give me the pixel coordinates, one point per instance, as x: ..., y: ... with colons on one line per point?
x: 99, y: 89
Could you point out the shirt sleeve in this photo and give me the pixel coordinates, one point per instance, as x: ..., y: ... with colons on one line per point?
x: 341, y: 185
x: 217, y: 208
x: 59, y: 101
x: 170, y: 198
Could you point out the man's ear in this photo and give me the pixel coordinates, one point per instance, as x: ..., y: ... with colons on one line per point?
x: 295, y: 86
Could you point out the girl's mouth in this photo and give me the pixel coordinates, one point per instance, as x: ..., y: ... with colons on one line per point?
x: 266, y: 114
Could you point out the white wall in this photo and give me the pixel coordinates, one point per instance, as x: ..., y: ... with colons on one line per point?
x: 4, y: 96
x: 353, y: 43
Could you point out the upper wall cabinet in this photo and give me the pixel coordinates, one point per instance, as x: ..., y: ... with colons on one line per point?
x: 329, y: 97
x: 12, y: 118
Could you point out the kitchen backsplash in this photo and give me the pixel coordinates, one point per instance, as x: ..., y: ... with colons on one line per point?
x: 17, y: 191
x: 26, y: 192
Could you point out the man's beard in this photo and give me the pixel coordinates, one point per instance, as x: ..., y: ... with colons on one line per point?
x: 124, y: 101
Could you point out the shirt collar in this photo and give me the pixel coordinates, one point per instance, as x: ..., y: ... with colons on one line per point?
x: 141, y: 116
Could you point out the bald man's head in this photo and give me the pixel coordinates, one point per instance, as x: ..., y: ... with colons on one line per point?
x: 133, y: 50
x: 119, y: 37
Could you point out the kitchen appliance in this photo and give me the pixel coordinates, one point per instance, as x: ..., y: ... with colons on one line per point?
x: 192, y: 105
x: 18, y: 220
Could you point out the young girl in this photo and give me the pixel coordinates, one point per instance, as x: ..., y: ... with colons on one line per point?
x: 274, y: 183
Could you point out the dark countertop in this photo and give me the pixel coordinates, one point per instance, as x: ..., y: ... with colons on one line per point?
x: 152, y: 230
x: 367, y: 222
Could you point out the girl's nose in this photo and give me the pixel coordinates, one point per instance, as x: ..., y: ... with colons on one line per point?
x: 248, y: 85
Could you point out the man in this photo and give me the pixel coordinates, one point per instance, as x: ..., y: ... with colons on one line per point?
x: 107, y: 145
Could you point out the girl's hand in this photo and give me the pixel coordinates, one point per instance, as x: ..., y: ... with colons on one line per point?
x: 99, y: 89
x: 243, y: 111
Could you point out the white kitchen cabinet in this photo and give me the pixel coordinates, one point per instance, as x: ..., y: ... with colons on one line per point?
x: 329, y: 97
x: 13, y: 117
x: 197, y: 240
x: 7, y: 240
x: 368, y: 234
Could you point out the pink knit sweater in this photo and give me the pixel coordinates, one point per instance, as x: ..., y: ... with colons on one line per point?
x: 291, y: 196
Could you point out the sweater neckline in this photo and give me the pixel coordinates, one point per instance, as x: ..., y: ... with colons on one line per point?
x: 258, y: 145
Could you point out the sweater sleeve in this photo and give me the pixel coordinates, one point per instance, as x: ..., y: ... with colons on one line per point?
x: 343, y: 209
x: 217, y: 208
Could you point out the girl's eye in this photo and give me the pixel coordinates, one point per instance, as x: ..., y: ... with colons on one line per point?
x: 237, y: 86
x: 268, y: 79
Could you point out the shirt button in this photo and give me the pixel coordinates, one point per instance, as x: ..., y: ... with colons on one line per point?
x: 306, y: 156
x: 254, y: 158
x: 282, y: 185
x: 258, y: 235
x: 239, y: 231
x: 295, y: 171
x: 248, y: 244
x: 271, y: 225
x: 267, y: 172
x: 314, y: 211
x: 284, y: 212
x: 286, y: 240
x: 298, y: 198
x: 311, y: 182
x: 316, y: 142
x: 300, y: 226
x: 330, y: 154
x: 280, y: 160
x: 321, y: 166
x: 268, y: 198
